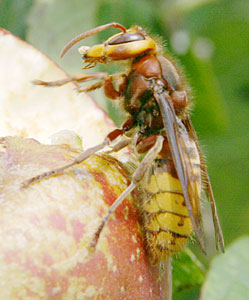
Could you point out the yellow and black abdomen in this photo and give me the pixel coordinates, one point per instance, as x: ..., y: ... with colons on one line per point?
x: 165, y: 215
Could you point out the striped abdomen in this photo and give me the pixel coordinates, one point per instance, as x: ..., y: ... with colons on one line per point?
x: 166, y: 219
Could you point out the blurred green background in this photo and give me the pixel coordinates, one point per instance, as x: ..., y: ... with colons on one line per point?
x: 209, y: 38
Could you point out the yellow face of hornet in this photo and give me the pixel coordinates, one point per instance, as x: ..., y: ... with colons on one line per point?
x: 120, y: 46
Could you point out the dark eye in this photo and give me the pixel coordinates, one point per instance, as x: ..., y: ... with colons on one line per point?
x: 126, y: 38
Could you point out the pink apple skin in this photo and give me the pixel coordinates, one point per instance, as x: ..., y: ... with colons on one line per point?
x: 46, y: 229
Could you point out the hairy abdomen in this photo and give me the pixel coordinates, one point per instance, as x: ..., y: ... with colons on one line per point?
x: 166, y: 220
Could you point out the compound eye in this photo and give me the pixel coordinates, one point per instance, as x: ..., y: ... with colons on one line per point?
x: 126, y: 38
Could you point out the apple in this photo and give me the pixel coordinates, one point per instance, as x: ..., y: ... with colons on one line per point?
x: 46, y: 228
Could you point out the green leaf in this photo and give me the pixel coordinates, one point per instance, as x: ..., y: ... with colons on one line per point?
x: 126, y: 13
x: 13, y: 14
x: 188, y: 274
x: 228, y: 278
x: 210, y: 112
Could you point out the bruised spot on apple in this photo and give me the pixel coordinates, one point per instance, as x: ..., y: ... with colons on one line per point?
x: 47, y: 227
x: 57, y: 220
